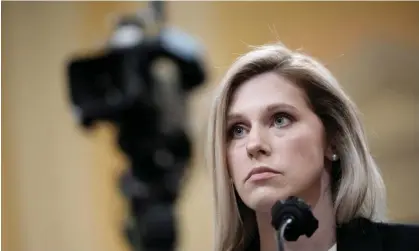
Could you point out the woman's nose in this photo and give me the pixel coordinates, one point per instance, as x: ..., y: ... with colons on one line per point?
x: 257, y: 144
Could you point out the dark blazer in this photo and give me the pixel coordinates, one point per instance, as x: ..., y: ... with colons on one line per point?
x: 364, y: 235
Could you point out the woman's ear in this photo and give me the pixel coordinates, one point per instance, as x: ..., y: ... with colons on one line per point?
x: 331, y: 154
x: 331, y: 151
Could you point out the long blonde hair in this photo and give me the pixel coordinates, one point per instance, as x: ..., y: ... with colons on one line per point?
x: 358, y: 188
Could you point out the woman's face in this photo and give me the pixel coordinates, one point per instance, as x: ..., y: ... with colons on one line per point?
x: 276, y: 144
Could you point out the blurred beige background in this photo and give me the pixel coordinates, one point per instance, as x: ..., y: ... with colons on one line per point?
x: 59, y: 183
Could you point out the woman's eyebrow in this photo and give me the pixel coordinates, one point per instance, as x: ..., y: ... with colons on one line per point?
x: 275, y: 106
x: 234, y: 116
x: 269, y: 108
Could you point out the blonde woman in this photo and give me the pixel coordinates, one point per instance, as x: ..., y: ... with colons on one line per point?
x: 282, y: 126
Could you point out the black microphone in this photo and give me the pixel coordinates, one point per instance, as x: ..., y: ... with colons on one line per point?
x: 292, y: 218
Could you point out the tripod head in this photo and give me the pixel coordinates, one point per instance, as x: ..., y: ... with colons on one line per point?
x: 139, y: 83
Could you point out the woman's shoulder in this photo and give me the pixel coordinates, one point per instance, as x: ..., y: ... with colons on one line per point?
x: 378, y: 235
x: 398, y: 235
x: 386, y: 228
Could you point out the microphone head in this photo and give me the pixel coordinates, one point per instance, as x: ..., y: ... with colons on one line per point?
x: 303, y: 220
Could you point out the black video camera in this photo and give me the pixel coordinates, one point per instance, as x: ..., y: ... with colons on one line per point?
x: 140, y: 83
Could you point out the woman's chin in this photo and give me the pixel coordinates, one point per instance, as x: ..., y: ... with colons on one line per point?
x: 262, y: 199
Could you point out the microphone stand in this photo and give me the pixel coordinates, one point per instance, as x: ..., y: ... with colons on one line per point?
x: 281, y: 232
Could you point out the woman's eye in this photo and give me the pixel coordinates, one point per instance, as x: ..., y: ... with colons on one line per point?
x: 281, y: 120
x: 237, y: 131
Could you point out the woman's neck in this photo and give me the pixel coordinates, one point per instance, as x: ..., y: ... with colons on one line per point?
x: 322, y: 239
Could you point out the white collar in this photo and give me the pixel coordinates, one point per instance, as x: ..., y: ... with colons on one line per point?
x: 333, y: 248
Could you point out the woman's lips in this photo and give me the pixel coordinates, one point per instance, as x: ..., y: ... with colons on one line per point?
x: 262, y: 176
x: 261, y: 173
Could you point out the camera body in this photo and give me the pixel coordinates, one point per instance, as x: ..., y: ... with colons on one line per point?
x: 120, y: 77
